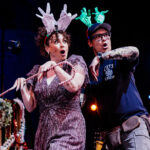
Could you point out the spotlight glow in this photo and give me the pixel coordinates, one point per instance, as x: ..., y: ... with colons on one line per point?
x: 93, y: 107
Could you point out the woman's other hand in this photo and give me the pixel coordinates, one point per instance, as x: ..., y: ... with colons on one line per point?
x: 45, y: 67
x: 20, y: 83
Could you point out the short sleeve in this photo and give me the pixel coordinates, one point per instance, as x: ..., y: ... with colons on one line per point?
x: 34, y: 70
x: 127, y: 65
x: 80, y: 65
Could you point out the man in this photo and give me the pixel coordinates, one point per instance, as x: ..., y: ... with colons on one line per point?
x: 124, y: 119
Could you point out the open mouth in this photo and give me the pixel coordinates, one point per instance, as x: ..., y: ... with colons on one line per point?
x: 62, y: 51
x: 105, y: 45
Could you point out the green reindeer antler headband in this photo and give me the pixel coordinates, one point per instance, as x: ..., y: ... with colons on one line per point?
x: 85, y: 16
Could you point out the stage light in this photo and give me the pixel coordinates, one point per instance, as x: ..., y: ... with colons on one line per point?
x: 14, y: 46
x: 93, y: 107
x: 149, y: 97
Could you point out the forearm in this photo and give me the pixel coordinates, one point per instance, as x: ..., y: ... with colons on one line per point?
x: 130, y: 53
x: 28, y: 99
x: 72, y: 85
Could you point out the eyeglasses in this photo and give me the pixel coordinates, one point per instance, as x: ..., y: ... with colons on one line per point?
x: 101, y: 36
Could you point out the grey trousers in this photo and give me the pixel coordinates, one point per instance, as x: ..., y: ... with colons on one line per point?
x: 138, y: 139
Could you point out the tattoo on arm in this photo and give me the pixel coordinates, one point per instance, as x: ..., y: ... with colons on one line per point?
x: 130, y: 53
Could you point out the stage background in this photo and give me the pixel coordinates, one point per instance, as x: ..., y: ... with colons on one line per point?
x: 130, y: 27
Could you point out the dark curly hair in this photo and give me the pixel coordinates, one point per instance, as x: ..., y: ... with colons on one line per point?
x: 41, y: 39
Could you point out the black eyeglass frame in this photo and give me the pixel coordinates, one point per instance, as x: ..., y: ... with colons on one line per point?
x: 101, y: 35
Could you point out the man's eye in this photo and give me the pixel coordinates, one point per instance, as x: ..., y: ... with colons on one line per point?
x: 106, y: 34
x: 99, y: 35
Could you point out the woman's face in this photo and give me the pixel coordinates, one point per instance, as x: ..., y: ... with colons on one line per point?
x: 58, y: 48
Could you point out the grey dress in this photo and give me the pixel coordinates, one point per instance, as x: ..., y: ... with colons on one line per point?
x: 61, y: 123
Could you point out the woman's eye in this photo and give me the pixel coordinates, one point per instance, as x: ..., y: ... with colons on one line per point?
x: 65, y: 41
x: 55, y: 41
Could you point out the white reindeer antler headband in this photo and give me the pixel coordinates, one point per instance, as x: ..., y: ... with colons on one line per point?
x: 51, y: 24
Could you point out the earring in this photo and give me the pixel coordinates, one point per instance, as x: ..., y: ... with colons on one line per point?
x: 48, y: 52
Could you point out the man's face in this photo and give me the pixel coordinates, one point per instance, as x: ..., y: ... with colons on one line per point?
x: 101, y: 41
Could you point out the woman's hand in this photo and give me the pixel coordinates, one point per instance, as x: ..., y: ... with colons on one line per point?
x: 20, y: 83
x: 45, y: 67
x: 94, y: 67
x: 27, y: 94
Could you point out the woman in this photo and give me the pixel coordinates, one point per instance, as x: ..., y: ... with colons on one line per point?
x: 61, y: 123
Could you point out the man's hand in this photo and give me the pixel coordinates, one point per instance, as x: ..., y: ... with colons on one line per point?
x: 94, y: 67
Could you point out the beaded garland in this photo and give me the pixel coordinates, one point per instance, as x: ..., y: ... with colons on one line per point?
x: 5, y: 113
x: 16, y: 138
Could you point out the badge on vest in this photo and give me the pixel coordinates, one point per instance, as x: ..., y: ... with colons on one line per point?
x: 108, y: 70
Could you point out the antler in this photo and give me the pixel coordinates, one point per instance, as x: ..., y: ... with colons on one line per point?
x: 85, y: 17
x: 47, y: 19
x: 65, y: 19
x: 99, y: 16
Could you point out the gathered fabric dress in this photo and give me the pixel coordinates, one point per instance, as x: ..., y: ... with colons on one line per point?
x: 61, y: 123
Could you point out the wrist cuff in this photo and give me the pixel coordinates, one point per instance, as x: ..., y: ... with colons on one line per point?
x: 99, y: 54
